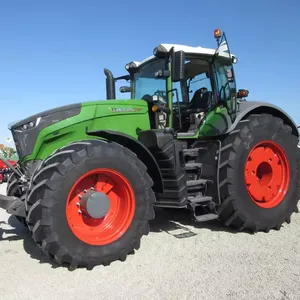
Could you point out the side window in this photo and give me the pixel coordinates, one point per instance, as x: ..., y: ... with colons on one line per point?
x: 224, y: 76
x: 222, y: 73
x: 225, y: 83
x: 196, y: 78
x: 200, y: 81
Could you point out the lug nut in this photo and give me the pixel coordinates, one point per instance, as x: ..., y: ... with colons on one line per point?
x: 79, y: 196
x: 77, y: 203
x: 79, y: 211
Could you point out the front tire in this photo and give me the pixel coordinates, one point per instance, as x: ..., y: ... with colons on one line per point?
x: 58, y: 212
x: 259, y: 174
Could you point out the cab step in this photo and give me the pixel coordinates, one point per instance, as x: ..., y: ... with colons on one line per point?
x: 200, y: 200
x: 205, y: 218
x: 198, y: 182
x: 206, y: 206
x: 193, y: 166
x: 193, y: 152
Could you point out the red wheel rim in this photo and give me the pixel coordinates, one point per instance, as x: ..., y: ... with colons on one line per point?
x: 119, y: 216
x: 267, y: 174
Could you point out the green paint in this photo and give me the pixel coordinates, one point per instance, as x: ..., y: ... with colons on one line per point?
x: 126, y: 116
x: 214, y: 121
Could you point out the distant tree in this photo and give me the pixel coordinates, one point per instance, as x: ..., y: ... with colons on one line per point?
x: 8, y: 152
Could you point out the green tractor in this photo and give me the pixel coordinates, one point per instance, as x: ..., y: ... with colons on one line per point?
x: 90, y: 174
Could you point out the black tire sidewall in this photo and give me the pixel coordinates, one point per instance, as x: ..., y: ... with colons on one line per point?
x: 12, y: 186
x: 122, y: 163
x: 244, y: 204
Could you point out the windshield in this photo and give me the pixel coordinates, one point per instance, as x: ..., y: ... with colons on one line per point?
x: 144, y: 81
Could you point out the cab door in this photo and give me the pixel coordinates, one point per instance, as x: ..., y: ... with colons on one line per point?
x: 225, y: 83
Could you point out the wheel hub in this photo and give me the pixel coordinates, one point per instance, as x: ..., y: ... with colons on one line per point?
x: 100, y: 206
x: 264, y: 173
x: 94, y: 204
x: 267, y: 174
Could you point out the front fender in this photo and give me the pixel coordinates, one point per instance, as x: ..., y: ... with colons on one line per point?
x: 139, y: 149
x: 256, y: 107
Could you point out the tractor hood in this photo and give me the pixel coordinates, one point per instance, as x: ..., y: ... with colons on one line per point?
x: 26, y: 131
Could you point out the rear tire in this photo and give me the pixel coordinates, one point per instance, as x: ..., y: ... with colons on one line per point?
x: 54, y: 218
x: 268, y: 199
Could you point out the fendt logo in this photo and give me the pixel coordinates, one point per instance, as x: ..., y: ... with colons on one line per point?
x: 127, y: 109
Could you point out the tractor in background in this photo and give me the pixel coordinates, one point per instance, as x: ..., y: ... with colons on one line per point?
x: 90, y: 174
x: 5, y: 171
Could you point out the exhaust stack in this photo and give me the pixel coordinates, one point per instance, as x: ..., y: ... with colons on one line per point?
x: 110, y: 85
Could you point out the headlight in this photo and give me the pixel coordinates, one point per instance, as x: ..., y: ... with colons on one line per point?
x: 29, y: 125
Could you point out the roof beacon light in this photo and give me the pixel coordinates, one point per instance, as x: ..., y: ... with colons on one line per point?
x: 217, y: 33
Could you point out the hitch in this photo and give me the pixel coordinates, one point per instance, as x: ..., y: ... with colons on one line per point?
x: 13, y: 205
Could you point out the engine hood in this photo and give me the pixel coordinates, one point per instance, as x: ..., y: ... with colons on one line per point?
x: 25, y: 132
x: 55, y: 114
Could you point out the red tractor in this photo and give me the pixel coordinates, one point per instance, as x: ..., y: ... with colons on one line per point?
x: 5, y: 170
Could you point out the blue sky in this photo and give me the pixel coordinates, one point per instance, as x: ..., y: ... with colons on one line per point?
x: 53, y: 52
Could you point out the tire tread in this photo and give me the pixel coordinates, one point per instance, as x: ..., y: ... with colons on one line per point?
x: 56, y: 166
x: 227, y: 210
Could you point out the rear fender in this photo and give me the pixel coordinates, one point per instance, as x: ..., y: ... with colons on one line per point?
x: 139, y: 149
x: 256, y: 107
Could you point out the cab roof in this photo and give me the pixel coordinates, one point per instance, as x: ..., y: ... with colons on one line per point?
x: 177, y: 47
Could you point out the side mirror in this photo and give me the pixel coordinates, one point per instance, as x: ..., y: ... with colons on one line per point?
x: 178, y: 65
x: 125, y: 89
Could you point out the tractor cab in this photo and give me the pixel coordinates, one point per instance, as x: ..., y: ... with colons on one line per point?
x: 187, y: 88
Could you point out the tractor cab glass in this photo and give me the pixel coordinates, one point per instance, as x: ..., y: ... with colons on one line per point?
x: 196, y: 82
x: 207, y: 90
x: 146, y: 83
x: 196, y: 96
x: 224, y: 77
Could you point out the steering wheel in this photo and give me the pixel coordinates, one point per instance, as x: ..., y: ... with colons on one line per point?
x: 162, y: 94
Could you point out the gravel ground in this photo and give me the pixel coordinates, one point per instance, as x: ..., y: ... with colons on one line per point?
x: 208, y: 262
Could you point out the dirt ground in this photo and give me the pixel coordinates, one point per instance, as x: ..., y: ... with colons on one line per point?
x: 207, y: 262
